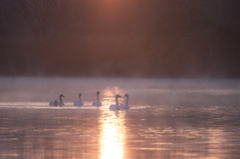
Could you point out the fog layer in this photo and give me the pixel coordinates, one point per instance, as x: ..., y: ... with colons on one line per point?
x: 143, y: 92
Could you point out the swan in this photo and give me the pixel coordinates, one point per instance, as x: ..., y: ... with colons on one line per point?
x: 97, y: 103
x: 79, y: 102
x: 115, y: 106
x: 56, y: 103
x: 125, y: 106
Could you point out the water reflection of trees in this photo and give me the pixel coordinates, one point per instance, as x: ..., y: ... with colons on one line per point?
x: 48, y: 134
x: 163, y: 132
x: 182, y: 132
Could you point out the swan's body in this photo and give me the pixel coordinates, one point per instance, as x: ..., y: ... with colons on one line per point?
x: 79, y: 102
x: 53, y: 103
x: 125, y: 106
x: 115, y: 106
x: 97, y: 103
x: 56, y: 103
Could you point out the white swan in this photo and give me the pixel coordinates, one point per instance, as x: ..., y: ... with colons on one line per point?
x: 56, y: 103
x: 115, y: 106
x: 125, y: 106
x: 97, y: 103
x: 79, y: 102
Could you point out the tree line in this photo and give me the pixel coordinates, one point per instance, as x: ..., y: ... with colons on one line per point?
x: 137, y: 38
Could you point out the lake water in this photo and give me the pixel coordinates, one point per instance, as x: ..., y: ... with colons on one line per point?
x: 173, y: 119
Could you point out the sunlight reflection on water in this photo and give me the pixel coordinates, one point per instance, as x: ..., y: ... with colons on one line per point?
x: 165, y: 121
x: 112, y: 136
x: 149, y: 131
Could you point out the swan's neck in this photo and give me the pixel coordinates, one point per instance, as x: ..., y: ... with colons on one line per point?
x: 98, y: 97
x: 117, y: 101
x: 79, y: 98
x: 127, y: 101
x: 60, y: 98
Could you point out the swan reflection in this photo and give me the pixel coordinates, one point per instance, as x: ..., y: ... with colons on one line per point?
x: 112, y: 138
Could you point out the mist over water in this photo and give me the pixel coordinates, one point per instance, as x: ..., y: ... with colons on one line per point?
x: 168, y: 118
x: 150, y: 48
x: 143, y: 91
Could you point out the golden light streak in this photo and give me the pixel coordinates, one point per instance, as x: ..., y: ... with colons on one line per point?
x: 112, y: 138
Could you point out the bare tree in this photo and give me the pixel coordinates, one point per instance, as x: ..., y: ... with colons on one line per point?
x: 46, y: 16
x: 4, y: 10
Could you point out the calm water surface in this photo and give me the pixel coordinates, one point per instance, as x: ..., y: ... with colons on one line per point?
x: 168, y: 119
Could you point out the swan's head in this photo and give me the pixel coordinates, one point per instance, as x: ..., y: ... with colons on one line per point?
x: 98, y: 92
x: 126, y: 95
x: 117, y: 96
x: 80, y: 94
x: 61, y: 95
